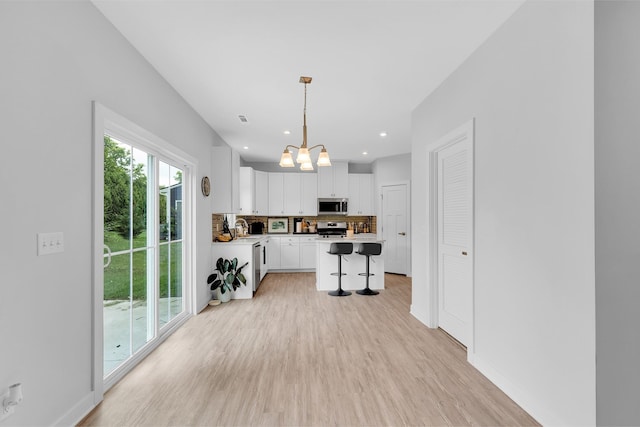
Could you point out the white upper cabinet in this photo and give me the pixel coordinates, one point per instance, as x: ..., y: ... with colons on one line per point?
x: 225, y: 180
x: 361, y: 194
x: 247, y: 191
x: 333, y: 181
x: 276, y: 193
x: 254, y: 192
x: 309, y: 194
x: 292, y: 186
x: 300, y: 194
x: 261, y: 205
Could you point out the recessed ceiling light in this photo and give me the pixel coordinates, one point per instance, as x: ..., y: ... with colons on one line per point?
x: 364, y: 153
x: 287, y: 132
x: 383, y: 134
x: 246, y: 148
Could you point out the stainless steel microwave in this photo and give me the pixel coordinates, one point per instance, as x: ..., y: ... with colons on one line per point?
x: 332, y: 206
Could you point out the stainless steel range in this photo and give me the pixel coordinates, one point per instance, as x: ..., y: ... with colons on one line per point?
x: 329, y: 229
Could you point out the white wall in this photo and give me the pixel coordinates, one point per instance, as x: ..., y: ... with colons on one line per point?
x: 56, y: 58
x: 617, y: 95
x: 392, y: 169
x: 530, y: 90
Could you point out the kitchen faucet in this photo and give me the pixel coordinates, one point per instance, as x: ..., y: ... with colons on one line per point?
x: 245, y: 227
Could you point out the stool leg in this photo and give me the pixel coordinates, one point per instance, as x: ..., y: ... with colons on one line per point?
x: 339, y: 292
x: 366, y: 290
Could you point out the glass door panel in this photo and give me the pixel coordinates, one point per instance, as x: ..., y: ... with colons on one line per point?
x: 170, y: 247
x: 129, y: 278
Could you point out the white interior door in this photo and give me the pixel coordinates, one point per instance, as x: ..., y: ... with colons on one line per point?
x: 455, y: 288
x: 394, y: 228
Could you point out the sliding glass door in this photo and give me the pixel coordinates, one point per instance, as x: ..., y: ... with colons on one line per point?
x: 143, y: 280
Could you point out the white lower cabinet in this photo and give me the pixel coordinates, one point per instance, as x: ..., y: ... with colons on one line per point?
x: 307, y: 253
x: 273, y: 253
x: 292, y: 252
x: 289, y: 253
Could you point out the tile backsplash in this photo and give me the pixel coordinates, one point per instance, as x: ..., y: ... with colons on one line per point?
x: 217, y: 220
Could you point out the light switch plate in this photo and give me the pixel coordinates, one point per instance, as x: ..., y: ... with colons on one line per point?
x: 50, y: 243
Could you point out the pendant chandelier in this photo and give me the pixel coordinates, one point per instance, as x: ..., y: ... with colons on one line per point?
x: 304, y: 158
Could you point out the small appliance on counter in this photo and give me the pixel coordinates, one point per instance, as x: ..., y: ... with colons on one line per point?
x: 297, y: 225
x: 256, y: 228
x: 328, y: 229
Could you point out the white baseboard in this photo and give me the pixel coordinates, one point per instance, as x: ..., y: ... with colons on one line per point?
x: 77, y: 412
x: 422, y: 317
x: 533, y: 407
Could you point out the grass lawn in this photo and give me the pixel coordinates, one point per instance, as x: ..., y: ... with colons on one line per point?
x: 117, y: 277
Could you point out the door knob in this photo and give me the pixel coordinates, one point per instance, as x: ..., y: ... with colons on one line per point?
x: 403, y: 233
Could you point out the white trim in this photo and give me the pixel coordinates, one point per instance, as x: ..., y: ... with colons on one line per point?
x: 80, y: 410
x: 99, y: 118
x: 108, y: 122
x: 523, y: 399
x: 465, y: 131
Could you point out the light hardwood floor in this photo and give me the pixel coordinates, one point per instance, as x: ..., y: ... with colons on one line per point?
x: 297, y: 357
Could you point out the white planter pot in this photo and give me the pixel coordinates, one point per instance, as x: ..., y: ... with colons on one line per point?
x: 226, y: 297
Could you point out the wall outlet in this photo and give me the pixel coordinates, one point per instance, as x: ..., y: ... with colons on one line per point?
x: 50, y: 243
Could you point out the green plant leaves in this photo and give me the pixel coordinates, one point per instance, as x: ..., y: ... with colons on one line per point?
x: 229, y: 275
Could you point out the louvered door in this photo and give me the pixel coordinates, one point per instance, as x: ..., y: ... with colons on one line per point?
x: 454, y: 240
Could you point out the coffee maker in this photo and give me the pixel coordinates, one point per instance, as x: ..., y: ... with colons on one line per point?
x: 297, y: 225
x: 256, y: 228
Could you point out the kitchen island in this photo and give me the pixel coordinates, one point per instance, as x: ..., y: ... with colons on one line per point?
x: 247, y: 249
x: 352, y: 265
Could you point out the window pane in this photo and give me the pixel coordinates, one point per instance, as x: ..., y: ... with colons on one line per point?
x: 139, y: 182
x: 175, y: 305
x: 117, y: 190
x: 116, y: 312
x: 164, y: 176
x: 165, y: 274
x: 139, y: 319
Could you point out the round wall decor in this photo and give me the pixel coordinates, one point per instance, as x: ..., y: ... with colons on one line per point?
x: 206, y: 186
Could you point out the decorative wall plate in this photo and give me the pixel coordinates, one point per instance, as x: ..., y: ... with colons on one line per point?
x: 206, y: 186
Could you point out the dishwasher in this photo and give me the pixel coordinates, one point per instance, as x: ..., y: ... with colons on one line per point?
x: 257, y: 249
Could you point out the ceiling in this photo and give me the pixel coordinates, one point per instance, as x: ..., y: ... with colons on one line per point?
x: 372, y: 63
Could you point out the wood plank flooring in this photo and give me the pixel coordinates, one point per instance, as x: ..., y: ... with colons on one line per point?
x: 297, y: 357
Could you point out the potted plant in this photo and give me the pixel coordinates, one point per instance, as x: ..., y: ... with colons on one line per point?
x: 228, y: 277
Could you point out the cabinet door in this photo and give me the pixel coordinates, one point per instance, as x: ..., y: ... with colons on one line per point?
x: 273, y: 253
x: 309, y: 194
x: 261, y: 198
x: 290, y: 252
x: 276, y: 195
x: 225, y: 180
x: 235, y: 181
x: 367, y: 204
x: 340, y: 179
x: 308, y: 253
x: 292, y: 190
x: 325, y: 181
x: 354, y: 194
x: 361, y: 194
x: 247, y: 191
x: 333, y: 181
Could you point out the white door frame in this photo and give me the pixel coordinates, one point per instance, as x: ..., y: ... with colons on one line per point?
x: 380, y: 207
x: 464, y: 131
x: 106, y: 120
